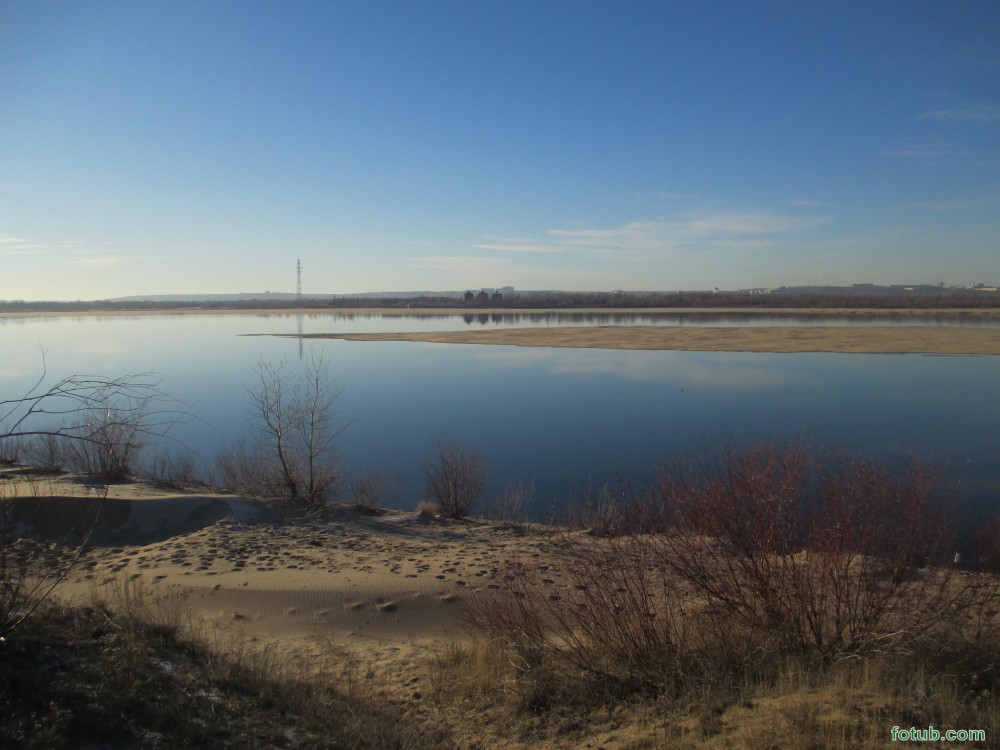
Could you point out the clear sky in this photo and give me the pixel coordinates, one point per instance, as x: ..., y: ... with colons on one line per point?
x: 188, y: 147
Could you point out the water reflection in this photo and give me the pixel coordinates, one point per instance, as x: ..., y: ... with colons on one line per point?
x: 703, y: 370
x: 403, y: 321
x: 563, y: 417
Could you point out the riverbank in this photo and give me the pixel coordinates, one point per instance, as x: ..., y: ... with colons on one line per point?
x: 370, y: 602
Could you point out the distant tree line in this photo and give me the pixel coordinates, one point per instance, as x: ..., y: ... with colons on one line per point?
x: 801, y: 297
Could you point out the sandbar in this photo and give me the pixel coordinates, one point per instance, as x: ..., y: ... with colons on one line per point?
x: 781, y: 339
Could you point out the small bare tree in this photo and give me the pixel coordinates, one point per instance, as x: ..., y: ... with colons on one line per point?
x: 98, y: 424
x: 298, y: 426
x: 456, y: 480
x: 101, y: 417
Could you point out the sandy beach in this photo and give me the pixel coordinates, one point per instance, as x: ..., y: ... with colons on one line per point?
x: 379, y: 587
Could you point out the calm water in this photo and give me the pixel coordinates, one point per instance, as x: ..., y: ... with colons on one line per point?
x: 561, y: 417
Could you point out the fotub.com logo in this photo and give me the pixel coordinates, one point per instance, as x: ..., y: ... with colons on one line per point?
x: 936, y: 735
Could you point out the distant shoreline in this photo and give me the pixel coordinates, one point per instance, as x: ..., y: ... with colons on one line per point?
x: 971, y: 312
x: 783, y: 339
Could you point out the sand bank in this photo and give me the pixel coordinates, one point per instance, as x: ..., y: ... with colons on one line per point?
x: 847, y: 339
x: 381, y: 587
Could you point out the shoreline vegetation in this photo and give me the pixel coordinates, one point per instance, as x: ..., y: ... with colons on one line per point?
x: 199, y: 616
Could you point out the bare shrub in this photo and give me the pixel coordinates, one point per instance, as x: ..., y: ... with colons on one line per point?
x: 294, y: 456
x: 104, y: 422
x: 833, y: 561
x: 617, y: 508
x: 46, y: 452
x: 33, y: 565
x: 370, y: 490
x: 618, y: 618
x: 456, y: 479
x: 511, y: 506
x: 117, y: 434
x: 101, y: 424
x: 766, y: 556
x: 243, y: 468
x: 12, y: 452
x: 172, y: 468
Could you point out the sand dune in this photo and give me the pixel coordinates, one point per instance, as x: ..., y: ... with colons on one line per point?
x: 381, y: 587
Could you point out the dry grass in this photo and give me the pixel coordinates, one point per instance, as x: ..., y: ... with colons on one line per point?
x: 125, y: 673
x: 748, y: 613
x: 798, y: 704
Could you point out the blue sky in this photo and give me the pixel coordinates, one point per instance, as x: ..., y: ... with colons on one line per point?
x: 187, y: 147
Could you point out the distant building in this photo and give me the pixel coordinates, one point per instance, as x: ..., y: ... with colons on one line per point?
x: 469, y: 296
x: 483, y: 297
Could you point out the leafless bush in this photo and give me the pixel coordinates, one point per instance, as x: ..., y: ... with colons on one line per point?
x: 116, y: 436
x: 33, y: 565
x: 46, y: 452
x: 456, y: 479
x: 370, y: 490
x: 617, y: 618
x: 12, y: 452
x: 617, y: 508
x: 294, y: 456
x: 103, y: 422
x: 511, y: 506
x: 766, y: 556
x: 833, y: 561
x: 100, y: 424
x: 172, y: 468
x: 246, y: 468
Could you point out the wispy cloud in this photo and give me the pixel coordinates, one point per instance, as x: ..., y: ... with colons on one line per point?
x: 70, y: 252
x: 940, y: 206
x: 461, y: 265
x: 516, y: 245
x: 87, y: 262
x: 927, y: 150
x: 808, y: 204
x: 686, y: 232
x: 682, y: 235
x: 984, y: 113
